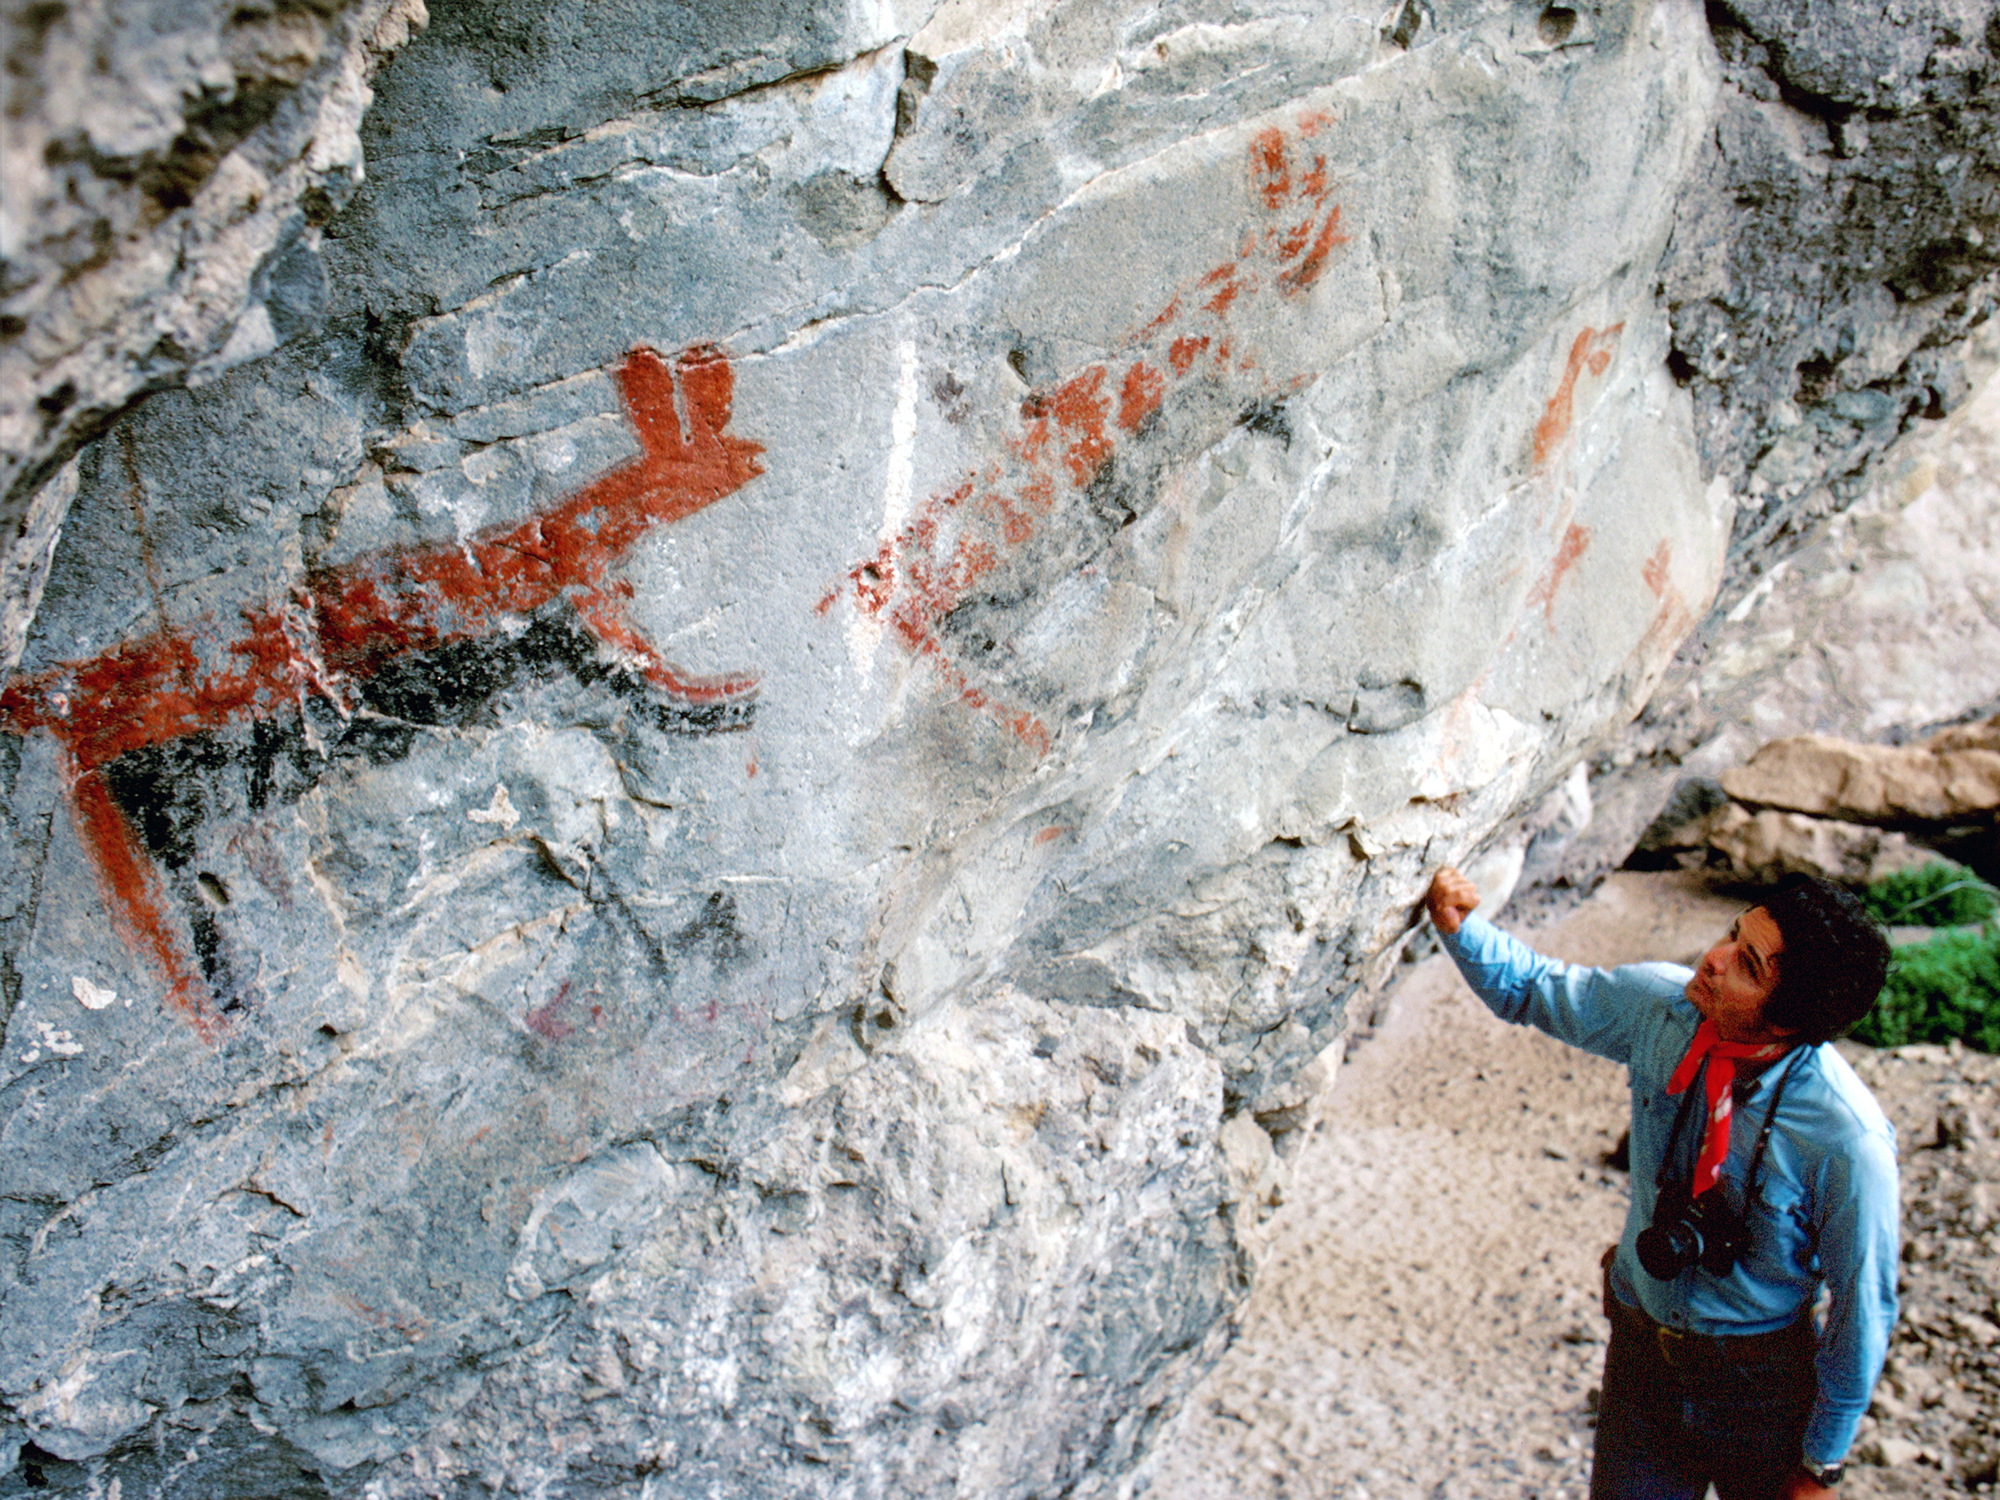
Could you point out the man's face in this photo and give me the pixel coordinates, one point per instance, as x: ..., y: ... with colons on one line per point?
x: 1736, y: 977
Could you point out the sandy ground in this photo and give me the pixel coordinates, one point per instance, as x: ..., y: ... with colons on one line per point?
x: 1425, y: 1322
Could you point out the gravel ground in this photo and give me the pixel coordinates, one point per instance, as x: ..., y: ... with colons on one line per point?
x: 1425, y: 1319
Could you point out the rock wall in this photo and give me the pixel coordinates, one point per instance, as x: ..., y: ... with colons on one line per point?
x: 696, y: 844
x: 1881, y: 625
x: 1839, y: 245
x: 168, y: 167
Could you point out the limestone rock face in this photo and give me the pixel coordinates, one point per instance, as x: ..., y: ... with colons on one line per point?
x: 166, y: 170
x: 1837, y: 245
x: 1950, y: 779
x: 696, y: 846
x: 1881, y: 626
x: 1764, y: 847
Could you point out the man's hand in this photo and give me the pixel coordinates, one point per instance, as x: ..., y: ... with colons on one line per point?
x: 1799, y: 1485
x: 1451, y: 899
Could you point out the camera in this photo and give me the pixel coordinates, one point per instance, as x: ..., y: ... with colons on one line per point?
x: 1702, y: 1231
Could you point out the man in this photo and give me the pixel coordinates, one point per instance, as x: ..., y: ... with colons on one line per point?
x: 1763, y: 1173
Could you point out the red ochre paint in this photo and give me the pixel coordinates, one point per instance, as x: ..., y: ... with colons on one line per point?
x: 1297, y: 278
x: 1658, y: 572
x: 547, y: 1021
x: 1145, y: 387
x: 1066, y: 435
x: 1271, y: 168
x: 1169, y: 314
x: 350, y: 622
x: 1673, y: 619
x: 1591, y: 353
x: 1575, y: 542
x: 376, y: 609
x: 1184, y: 351
x: 138, y: 906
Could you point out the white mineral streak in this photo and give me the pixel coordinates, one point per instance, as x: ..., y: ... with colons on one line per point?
x: 499, y: 810
x: 864, y: 631
x: 89, y: 996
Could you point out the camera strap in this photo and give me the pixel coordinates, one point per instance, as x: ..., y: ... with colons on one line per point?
x: 1688, y: 1096
x: 1670, y: 1156
x: 1764, y: 1132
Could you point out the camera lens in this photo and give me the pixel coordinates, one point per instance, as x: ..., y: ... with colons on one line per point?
x: 1667, y: 1249
x: 1684, y: 1234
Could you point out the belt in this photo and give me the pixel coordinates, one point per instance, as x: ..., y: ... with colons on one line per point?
x: 1693, y: 1353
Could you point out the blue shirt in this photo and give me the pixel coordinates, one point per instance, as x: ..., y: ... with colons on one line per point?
x: 1827, y: 1188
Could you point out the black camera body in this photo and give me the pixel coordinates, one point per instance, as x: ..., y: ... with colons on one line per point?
x: 1688, y: 1232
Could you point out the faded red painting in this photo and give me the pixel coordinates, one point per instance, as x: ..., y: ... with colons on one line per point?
x: 350, y: 629
x: 1589, y: 360
x: 1673, y: 619
x: 1589, y: 357
x: 1569, y: 552
x: 1067, y: 437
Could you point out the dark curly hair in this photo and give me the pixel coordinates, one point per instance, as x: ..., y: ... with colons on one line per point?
x: 1833, y: 962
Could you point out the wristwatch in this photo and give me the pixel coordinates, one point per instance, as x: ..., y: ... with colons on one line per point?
x: 1826, y: 1474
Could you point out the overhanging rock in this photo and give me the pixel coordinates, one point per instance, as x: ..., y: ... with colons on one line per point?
x: 655, y: 862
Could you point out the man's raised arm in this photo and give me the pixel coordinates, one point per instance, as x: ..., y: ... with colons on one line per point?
x: 1595, y: 1009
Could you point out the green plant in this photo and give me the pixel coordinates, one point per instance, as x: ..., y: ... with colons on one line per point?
x: 1939, y: 894
x: 1945, y: 988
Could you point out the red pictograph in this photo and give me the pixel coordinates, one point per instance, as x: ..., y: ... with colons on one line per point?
x: 1067, y: 436
x: 1589, y: 356
x: 347, y: 624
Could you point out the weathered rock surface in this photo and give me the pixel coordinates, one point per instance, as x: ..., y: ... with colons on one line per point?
x: 1950, y: 778
x: 1880, y: 627
x: 1763, y: 847
x: 164, y: 176
x: 1814, y: 802
x: 1843, y: 809
x: 1885, y: 623
x: 1839, y: 245
x: 583, y: 920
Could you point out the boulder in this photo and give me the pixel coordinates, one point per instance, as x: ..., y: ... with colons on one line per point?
x: 1763, y: 847
x: 1948, y: 780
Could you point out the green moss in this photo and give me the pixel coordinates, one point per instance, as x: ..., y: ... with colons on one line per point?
x: 1939, y: 894
x: 1945, y: 988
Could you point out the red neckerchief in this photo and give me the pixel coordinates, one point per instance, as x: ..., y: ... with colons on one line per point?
x: 1721, y: 1075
